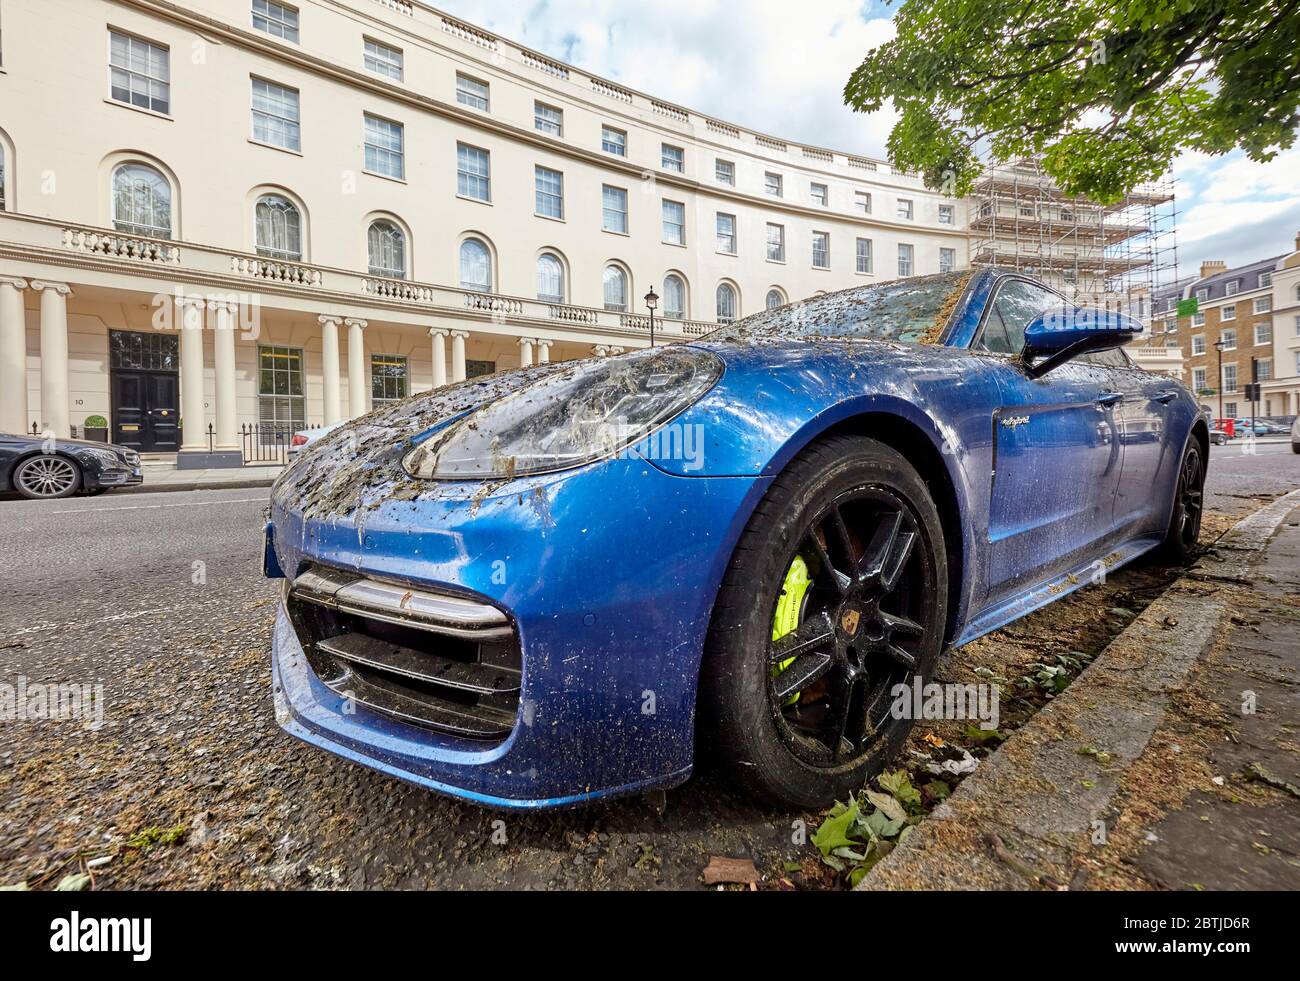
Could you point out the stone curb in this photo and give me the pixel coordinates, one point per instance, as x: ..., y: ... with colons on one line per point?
x: 193, y: 485
x: 1016, y: 822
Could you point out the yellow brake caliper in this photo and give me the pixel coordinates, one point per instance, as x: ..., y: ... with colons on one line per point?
x: 789, y: 610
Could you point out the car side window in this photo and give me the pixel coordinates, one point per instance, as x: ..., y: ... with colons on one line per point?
x: 1014, y: 306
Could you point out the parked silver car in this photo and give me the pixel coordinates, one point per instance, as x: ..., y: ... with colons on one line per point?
x: 305, y: 437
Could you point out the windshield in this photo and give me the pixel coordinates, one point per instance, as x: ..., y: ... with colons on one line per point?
x: 907, y: 310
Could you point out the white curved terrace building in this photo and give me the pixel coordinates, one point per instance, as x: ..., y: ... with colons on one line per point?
x: 353, y: 200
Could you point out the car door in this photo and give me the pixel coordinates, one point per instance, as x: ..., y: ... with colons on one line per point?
x: 1144, y: 435
x: 1057, y: 457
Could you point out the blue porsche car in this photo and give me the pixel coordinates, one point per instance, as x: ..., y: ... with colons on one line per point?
x: 568, y: 582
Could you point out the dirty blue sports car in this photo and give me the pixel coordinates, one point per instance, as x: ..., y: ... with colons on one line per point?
x: 570, y: 581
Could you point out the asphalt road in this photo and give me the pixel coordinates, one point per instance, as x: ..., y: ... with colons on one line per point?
x: 159, y: 597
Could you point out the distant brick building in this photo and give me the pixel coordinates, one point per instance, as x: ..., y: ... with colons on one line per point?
x: 1247, y: 317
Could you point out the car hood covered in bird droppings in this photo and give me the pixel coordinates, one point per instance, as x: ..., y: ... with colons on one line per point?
x: 359, y: 465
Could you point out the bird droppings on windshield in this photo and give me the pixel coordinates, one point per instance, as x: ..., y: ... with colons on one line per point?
x: 903, y: 311
x: 934, y: 334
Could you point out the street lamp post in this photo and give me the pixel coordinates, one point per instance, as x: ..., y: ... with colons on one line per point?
x: 1219, y: 346
x: 652, y: 303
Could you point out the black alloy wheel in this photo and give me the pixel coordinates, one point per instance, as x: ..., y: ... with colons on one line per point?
x: 801, y: 717
x: 861, y: 631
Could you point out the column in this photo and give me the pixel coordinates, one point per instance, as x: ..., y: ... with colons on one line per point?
x: 438, y: 335
x: 458, y: 355
x: 331, y: 383
x: 544, y: 352
x: 223, y: 362
x: 13, y: 357
x: 358, y: 377
x: 194, y: 434
x: 526, y: 352
x: 54, y: 358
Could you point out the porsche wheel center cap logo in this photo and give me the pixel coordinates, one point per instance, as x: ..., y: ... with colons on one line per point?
x: 850, y: 622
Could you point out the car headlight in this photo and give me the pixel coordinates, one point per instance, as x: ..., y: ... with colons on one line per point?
x: 570, y: 418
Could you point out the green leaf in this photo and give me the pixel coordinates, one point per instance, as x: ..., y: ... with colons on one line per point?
x: 884, y: 802
x: 76, y: 882
x: 900, y: 786
x: 939, y: 790
x: 833, y: 832
x: 882, y: 826
x: 1107, y: 94
x: 981, y: 736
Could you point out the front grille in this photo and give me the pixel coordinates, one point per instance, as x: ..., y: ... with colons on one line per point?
x: 429, y: 659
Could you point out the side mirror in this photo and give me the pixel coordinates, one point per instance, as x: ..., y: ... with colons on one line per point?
x: 1063, y: 334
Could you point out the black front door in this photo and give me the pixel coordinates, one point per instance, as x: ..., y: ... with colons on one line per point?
x: 146, y: 391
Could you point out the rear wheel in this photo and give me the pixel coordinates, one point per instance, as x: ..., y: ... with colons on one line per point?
x: 836, y: 594
x: 47, y: 477
x: 1185, y: 523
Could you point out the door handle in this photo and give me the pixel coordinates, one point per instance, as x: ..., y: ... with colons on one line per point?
x: 1164, y: 398
x: 1108, y: 400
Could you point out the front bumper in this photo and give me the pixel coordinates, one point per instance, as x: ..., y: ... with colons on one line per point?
x: 118, y: 477
x: 609, y: 574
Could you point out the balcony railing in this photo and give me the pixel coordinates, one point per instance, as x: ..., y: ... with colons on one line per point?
x: 180, y: 265
x: 276, y: 270
x: 115, y: 245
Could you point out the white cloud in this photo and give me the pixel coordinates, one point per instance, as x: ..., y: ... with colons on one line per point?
x: 770, y: 65
x: 1234, y: 209
x: 1236, y: 178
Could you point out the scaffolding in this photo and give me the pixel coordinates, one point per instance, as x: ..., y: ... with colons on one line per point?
x: 1116, y: 257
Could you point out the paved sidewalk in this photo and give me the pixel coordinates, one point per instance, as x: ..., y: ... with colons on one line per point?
x: 1244, y: 834
x: 1146, y: 772
x: 158, y: 479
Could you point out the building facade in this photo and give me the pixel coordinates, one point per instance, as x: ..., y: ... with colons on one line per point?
x: 1281, y: 393
x: 1246, y: 326
x: 247, y: 212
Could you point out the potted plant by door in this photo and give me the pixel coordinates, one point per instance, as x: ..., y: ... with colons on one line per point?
x: 96, y: 429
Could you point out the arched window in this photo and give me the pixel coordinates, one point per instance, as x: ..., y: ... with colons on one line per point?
x: 775, y: 299
x: 615, y: 289
x: 1297, y: 292
x: 674, y: 298
x: 475, y: 266
x: 550, y: 278
x: 2, y: 177
x: 142, y: 201
x: 279, y: 228
x: 387, y: 247
x: 726, y: 303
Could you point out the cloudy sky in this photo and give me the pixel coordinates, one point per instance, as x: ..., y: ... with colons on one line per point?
x: 780, y: 67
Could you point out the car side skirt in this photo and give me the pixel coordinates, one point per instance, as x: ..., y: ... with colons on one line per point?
x: 1083, y: 574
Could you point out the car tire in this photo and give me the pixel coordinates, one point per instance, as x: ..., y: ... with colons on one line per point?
x: 47, y: 477
x: 777, y: 750
x: 1184, y: 532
